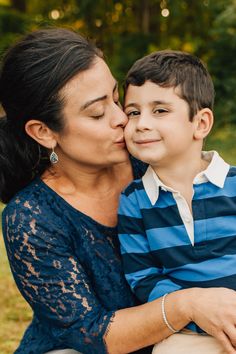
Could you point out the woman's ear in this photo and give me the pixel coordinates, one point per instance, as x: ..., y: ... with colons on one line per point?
x: 203, y: 121
x: 40, y: 132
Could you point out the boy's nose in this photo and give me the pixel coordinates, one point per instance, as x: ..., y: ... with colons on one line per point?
x: 143, y: 122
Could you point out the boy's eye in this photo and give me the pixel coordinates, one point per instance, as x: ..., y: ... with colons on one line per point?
x: 132, y: 114
x: 160, y: 110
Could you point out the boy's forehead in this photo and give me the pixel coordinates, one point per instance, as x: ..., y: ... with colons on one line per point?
x: 151, y: 91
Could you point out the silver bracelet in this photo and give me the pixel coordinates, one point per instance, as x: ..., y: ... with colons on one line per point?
x: 164, y: 315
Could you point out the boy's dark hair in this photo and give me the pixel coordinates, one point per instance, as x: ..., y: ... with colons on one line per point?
x: 32, y: 74
x: 170, y: 68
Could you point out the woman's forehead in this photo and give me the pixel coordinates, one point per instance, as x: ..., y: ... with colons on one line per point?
x: 89, y: 85
x: 96, y: 80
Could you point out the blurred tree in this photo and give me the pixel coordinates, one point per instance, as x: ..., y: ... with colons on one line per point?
x: 19, y: 5
x: 129, y: 29
x: 222, y: 62
x: 12, y: 24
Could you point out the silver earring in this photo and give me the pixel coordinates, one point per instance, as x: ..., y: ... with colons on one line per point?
x: 53, y: 157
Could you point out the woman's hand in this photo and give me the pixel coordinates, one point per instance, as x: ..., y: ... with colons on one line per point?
x: 214, y: 310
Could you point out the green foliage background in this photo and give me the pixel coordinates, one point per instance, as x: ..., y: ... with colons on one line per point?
x: 127, y: 30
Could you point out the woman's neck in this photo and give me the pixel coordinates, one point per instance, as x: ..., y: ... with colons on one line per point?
x: 87, y: 180
x: 95, y: 193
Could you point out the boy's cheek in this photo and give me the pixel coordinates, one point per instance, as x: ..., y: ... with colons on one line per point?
x: 128, y: 138
x: 127, y: 131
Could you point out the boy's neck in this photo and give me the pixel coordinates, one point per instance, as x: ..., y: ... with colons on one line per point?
x: 179, y: 175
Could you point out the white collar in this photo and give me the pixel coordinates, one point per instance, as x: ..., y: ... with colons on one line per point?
x: 215, y: 173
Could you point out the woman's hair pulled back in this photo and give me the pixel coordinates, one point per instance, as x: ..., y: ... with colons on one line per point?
x: 32, y: 74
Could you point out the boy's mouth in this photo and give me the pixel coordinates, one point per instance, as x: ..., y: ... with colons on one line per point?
x: 146, y: 141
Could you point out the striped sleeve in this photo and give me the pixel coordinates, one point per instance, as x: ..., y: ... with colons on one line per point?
x: 146, y: 279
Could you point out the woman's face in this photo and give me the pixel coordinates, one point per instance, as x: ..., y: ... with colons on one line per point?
x: 93, y: 134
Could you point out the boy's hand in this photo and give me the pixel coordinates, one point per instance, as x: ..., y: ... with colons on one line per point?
x: 214, y: 310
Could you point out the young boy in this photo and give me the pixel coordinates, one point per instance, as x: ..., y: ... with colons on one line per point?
x: 177, y: 225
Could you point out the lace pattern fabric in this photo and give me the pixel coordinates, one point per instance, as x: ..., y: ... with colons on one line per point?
x: 67, y: 266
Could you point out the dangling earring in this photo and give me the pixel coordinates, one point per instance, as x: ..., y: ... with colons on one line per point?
x: 53, y: 157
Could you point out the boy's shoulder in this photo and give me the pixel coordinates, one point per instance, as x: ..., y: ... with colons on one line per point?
x: 232, y: 171
x: 135, y: 185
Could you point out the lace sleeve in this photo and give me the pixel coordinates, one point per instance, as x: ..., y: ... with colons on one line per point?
x: 52, y: 280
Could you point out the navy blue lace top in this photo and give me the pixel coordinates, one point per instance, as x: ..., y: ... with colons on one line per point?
x: 67, y: 266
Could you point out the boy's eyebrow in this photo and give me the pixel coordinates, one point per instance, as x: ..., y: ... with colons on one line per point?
x: 102, y: 98
x: 161, y: 102
x: 133, y: 104
x: 158, y: 101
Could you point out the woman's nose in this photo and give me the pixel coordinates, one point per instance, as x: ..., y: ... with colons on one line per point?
x: 119, y: 117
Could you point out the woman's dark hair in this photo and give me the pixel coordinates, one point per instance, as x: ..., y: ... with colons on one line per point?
x: 169, y: 68
x: 32, y: 74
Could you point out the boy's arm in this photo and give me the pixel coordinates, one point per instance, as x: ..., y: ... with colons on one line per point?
x: 145, y: 278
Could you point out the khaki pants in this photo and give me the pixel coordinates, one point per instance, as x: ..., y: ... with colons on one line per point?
x: 188, y: 342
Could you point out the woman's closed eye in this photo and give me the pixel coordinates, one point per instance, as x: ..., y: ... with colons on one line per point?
x: 98, y: 115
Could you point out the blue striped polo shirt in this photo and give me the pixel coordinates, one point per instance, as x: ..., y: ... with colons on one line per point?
x: 161, y: 252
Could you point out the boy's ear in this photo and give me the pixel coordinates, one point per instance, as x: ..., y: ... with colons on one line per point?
x: 40, y: 132
x: 203, y: 121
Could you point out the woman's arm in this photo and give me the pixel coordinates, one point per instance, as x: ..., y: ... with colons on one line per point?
x: 52, y: 279
x: 214, y: 310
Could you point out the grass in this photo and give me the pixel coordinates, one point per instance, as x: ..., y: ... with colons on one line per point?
x: 15, y: 314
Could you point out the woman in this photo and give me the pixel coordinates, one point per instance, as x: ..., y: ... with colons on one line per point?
x: 63, y: 164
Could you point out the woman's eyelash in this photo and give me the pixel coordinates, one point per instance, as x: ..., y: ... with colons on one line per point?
x: 98, y: 116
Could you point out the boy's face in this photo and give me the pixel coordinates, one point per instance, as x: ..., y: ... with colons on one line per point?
x: 158, y: 129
